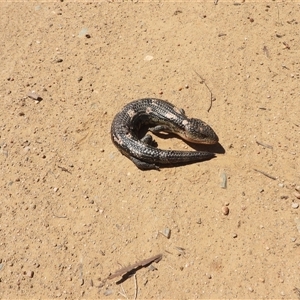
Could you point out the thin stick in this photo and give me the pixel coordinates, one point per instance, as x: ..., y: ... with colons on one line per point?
x: 64, y: 169
x: 266, y: 51
x: 135, y: 287
x: 123, y: 292
x: 264, y: 145
x: 264, y: 173
x: 211, y: 95
x: 60, y: 217
x: 139, y: 264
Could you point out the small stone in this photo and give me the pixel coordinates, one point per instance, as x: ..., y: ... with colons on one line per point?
x: 148, y: 58
x: 33, y: 95
x: 261, y: 279
x: 107, y: 292
x: 26, y: 149
x: 281, y: 185
x: 293, y: 239
x: 295, y: 205
x: 29, y: 273
x: 234, y: 235
x: 297, y: 195
x: 297, y: 188
x: 225, y: 210
x: 199, y: 221
x: 166, y: 232
x: 55, y: 189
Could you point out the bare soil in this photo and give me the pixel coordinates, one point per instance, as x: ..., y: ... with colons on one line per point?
x: 74, y: 210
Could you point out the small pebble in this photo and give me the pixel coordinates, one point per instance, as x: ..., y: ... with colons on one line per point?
x: 148, y: 58
x: 281, y: 185
x: 234, y: 235
x: 29, y: 273
x: 297, y: 188
x: 225, y: 210
x: 297, y: 195
x: 107, y: 292
x: 33, y: 95
x: 83, y: 32
x: 295, y: 205
x: 55, y: 189
x: 166, y: 232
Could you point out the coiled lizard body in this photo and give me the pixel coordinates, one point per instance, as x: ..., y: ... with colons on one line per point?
x: 159, y: 116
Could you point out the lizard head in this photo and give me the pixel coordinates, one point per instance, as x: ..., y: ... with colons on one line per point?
x: 197, y: 131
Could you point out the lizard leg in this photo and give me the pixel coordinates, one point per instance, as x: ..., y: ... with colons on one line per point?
x: 142, y: 165
x: 147, y: 139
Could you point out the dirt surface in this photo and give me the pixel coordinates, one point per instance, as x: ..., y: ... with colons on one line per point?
x: 74, y: 210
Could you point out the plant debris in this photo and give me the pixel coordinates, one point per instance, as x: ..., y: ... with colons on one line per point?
x: 131, y: 269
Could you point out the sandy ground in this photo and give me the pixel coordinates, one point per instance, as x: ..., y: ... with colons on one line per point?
x: 74, y: 210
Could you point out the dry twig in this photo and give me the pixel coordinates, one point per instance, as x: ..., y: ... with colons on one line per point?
x: 211, y: 94
x: 134, y: 267
x: 264, y: 173
x: 64, y: 169
x: 135, y: 287
x: 264, y: 145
